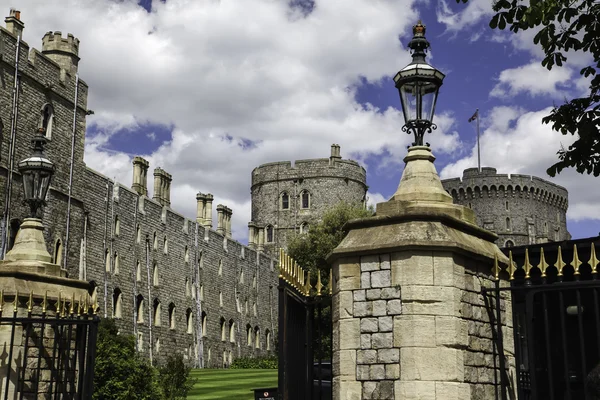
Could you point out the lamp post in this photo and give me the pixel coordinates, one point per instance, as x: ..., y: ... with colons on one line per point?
x: 36, y: 172
x: 418, y: 84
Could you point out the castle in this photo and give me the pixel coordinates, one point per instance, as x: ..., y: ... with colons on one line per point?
x: 178, y: 284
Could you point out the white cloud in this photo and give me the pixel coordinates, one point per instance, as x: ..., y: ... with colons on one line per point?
x: 471, y: 13
x: 516, y: 141
x: 533, y: 79
x: 228, y: 73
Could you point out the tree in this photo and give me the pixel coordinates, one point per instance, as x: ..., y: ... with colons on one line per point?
x: 119, y: 372
x: 311, y: 250
x: 567, y: 25
x: 174, y: 378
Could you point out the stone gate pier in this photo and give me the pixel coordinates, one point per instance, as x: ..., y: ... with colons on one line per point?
x: 410, y: 321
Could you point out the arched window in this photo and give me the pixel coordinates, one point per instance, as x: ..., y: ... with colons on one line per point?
x: 140, y: 309
x: 138, y: 271
x: 186, y: 255
x: 172, y: 316
x: 157, y: 312
x: 58, y: 250
x: 270, y: 233
x: 305, y: 199
x: 117, y: 303
x: 249, y: 335
x: 304, y: 227
x: 253, y: 283
x: 257, y: 337
x: 285, y: 201
x: 116, y: 263
x: 165, y: 246
x: 268, y: 339
x: 242, y: 277
x: 204, y: 324
x: 117, y: 226
x: 231, y: 331
x: 190, y: 320
x: 155, y: 242
x: 506, y: 205
x: 47, y: 119
x: 509, y: 243
x: 106, y: 261
x: 155, y: 275
x: 201, y: 292
x: 220, y: 267
x: 157, y: 345
x: 138, y: 234
x: 220, y: 299
x: 188, y: 290
x: 507, y: 223
x: 254, y: 309
x: 223, y: 333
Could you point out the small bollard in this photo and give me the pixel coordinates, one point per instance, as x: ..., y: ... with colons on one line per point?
x: 265, y: 394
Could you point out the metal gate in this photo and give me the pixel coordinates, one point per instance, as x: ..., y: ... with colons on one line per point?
x: 556, y: 319
x: 305, y: 333
x: 47, y: 354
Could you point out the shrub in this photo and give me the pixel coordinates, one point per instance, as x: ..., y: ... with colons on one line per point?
x: 174, y: 378
x: 255, y: 363
x: 119, y: 372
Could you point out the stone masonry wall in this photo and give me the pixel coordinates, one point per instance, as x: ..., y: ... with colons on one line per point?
x: 413, y: 325
x: 244, y: 293
x: 536, y: 209
x: 329, y: 181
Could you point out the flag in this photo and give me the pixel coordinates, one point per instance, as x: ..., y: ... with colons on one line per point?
x: 475, y: 116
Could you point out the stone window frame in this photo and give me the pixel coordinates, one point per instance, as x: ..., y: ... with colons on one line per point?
x: 157, y: 308
x: 220, y: 299
x: 47, y: 119
x: 116, y: 263
x: 257, y: 337
x: 155, y: 242
x: 157, y: 345
x: 140, y: 308
x: 269, y: 234
x: 222, y: 324
x: 117, y: 227
x: 165, y: 245
x: 189, y: 318
x: 231, y: 331
x: 308, y: 195
x: 188, y: 288
x: 509, y: 243
x: 204, y: 319
x: 138, y: 234
x: 186, y: 255
x: 58, y: 252
x: 304, y: 227
x: 508, y: 224
x: 138, y: 271
x: 107, y: 258
x: 155, y: 277
x: 220, y: 271
x: 268, y: 339
x: 249, y: 335
x: 284, y: 201
x: 117, y: 303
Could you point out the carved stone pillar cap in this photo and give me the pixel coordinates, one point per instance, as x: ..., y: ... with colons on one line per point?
x: 29, y: 243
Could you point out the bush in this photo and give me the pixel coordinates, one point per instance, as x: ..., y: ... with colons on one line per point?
x: 255, y: 363
x: 174, y: 378
x: 119, y: 372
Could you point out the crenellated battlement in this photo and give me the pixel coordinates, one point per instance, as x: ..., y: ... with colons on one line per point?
x: 63, y: 51
x: 488, y: 183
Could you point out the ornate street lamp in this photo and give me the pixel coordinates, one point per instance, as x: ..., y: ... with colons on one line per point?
x: 36, y: 172
x: 418, y: 84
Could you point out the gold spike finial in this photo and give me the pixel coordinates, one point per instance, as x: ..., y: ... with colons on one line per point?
x: 543, y: 265
x: 307, y: 287
x: 576, y: 262
x: 527, y: 265
x: 319, y: 285
x: 85, y: 304
x: 1, y: 300
x: 45, y: 302
x: 30, y: 302
x: 72, y: 308
x: 330, y: 284
x: 560, y: 264
x: 16, y: 302
x: 496, y: 268
x: 511, y: 266
x: 593, y: 260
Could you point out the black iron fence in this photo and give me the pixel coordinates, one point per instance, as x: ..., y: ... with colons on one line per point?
x: 48, y: 348
x: 305, y: 334
x: 555, y: 296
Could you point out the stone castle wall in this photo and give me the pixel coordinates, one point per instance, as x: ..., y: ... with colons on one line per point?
x: 520, y: 209
x: 327, y: 180
x: 212, y: 281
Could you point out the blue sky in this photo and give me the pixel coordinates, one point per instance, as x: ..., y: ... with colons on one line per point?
x: 210, y: 89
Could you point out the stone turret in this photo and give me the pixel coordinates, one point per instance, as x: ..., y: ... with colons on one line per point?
x: 63, y: 51
x: 14, y: 24
x: 140, y: 176
x: 204, y: 209
x: 335, y: 154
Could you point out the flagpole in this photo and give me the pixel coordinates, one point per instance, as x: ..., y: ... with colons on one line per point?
x: 478, y: 148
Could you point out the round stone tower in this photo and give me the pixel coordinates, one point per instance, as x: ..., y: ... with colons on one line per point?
x: 520, y: 209
x: 288, y: 198
x: 63, y: 51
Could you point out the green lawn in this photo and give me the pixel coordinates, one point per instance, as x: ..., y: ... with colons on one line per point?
x: 230, y: 384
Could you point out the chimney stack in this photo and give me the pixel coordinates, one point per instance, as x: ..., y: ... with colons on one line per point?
x: 221, y: 219
x: 252, y: 235
x: 162, y: 187
x: 229, y: 213
x: 204, y: 209
x: 140, y: 176
x: 14, y: 24
x: 335, y: 154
